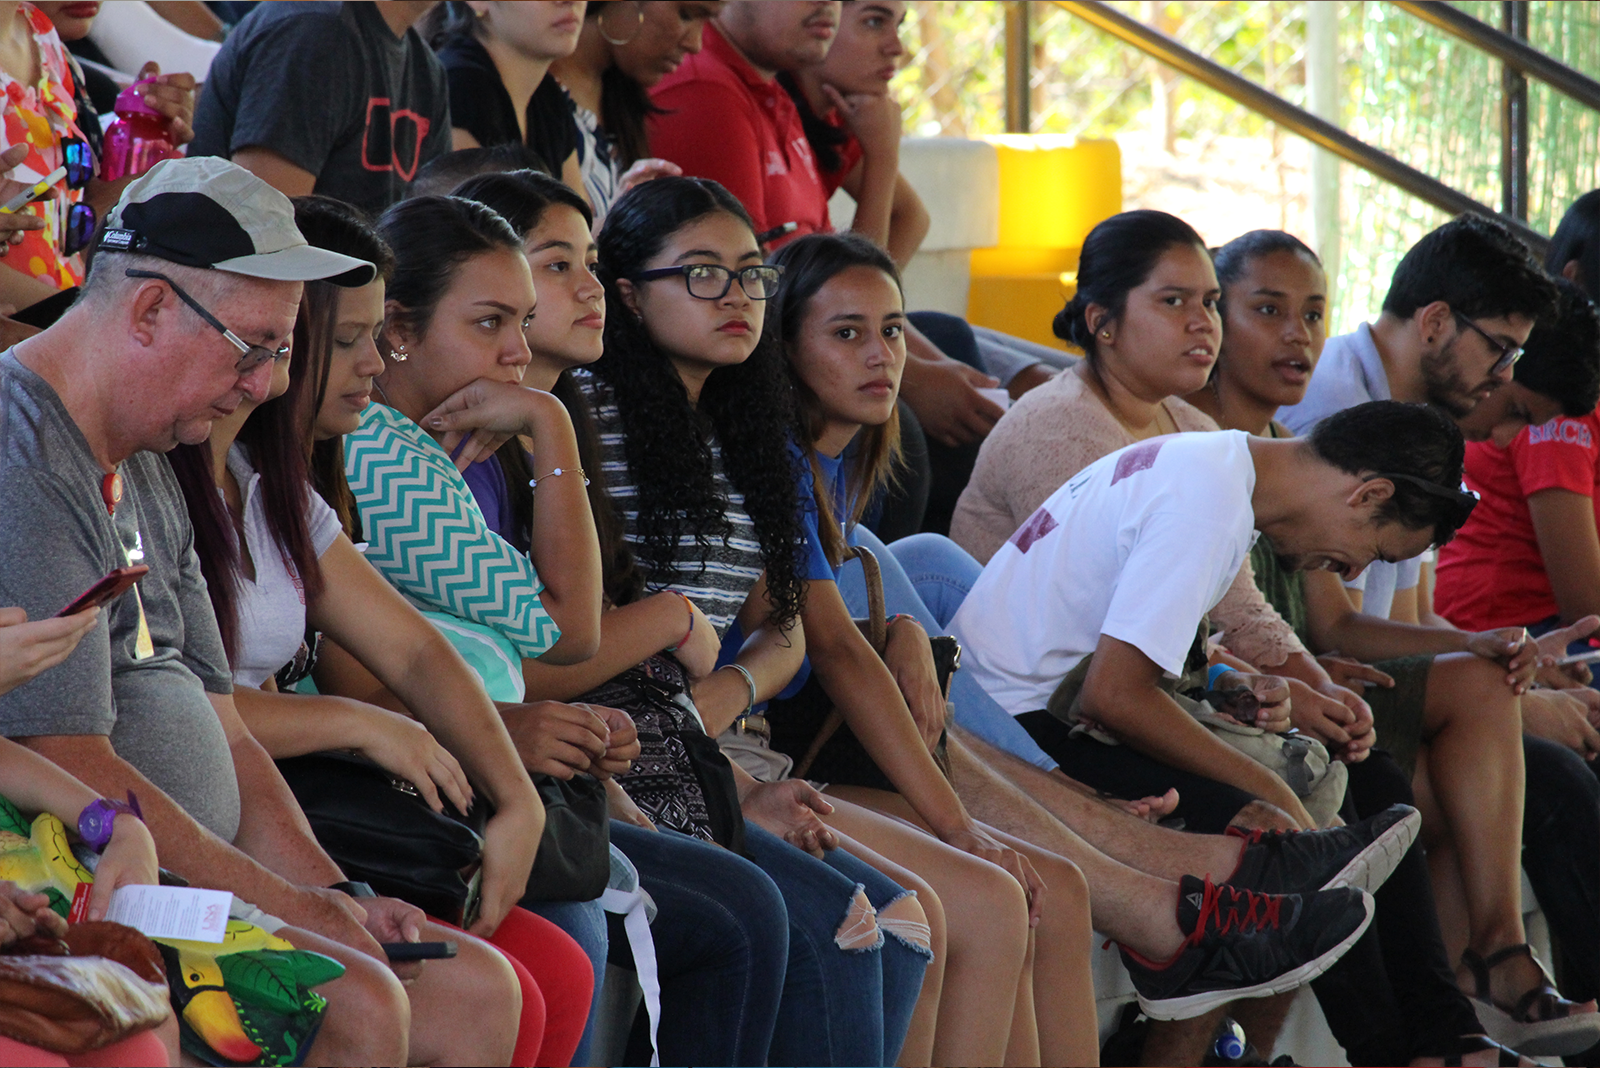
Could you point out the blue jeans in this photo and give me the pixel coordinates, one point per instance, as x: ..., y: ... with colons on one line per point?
x: 585, y: 922
x: 722, y: 942
x: 927, y: 576
x: 840, y: 1006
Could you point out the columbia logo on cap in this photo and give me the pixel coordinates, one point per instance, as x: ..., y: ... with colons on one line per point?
x: 120, y: 240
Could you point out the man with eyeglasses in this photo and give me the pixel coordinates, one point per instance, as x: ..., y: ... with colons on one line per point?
x: 1460, y: 307
x: 193, y: 290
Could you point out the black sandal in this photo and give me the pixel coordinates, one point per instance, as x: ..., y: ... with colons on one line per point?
x: 1542, y: 1022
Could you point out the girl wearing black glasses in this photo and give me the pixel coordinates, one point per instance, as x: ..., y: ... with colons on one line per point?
x: 697, y: 426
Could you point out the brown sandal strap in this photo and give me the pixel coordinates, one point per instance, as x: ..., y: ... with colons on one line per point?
x: 1500, y: 956
x: 1552, y: 1006
x: 1543, y: 1002
x: 1480, y: 972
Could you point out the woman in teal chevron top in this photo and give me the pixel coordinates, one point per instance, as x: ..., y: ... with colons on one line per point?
x: 423, y: 530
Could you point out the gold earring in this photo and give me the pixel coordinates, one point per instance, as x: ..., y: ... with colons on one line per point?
x: 1106, y: 334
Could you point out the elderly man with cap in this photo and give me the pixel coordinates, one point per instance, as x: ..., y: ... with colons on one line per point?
x: 193, y: 291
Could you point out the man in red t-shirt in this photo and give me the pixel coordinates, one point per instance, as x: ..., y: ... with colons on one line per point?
x: 1530, y: 552
x: 725, y: 117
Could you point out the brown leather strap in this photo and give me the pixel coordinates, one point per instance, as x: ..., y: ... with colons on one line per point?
x: 877, y: 628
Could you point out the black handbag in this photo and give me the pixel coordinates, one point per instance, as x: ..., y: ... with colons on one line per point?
x: 574, y: 860
x: 680, y: 779
x: 380, y: 830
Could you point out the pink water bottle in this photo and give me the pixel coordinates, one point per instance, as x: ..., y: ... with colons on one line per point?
x: 138, y: 139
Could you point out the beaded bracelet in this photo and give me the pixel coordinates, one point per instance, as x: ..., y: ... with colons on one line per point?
x: 533, y: 483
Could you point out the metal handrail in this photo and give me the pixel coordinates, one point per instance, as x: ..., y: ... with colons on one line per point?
x: 1506, y: 48
x: 1297, y: 120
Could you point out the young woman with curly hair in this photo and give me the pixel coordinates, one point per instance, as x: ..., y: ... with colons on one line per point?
x: 697, y: 427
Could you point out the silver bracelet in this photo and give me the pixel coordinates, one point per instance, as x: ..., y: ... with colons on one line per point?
x: 750, y: 681
x: 533, y: 483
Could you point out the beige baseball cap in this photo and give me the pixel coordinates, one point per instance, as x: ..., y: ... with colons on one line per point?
x: 206, y: 211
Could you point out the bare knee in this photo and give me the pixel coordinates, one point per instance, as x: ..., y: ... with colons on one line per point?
x: 998, y: 922
x: 1066, y: 892
x: 1466, y: 685
x: 466, y: 1010
x: 905, y: 919
x: 369, y: 1015
x: 859, y: 930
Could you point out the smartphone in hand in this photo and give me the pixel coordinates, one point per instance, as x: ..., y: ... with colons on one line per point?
x: 108, y: 589
x: 406, y: 951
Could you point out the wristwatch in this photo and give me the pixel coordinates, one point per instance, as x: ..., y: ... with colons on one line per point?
x: 94, y: 822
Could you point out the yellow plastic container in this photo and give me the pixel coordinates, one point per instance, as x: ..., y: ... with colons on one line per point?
x: 1053, y: 190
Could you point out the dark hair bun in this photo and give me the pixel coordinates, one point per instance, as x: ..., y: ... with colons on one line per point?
x: 1070, y: 325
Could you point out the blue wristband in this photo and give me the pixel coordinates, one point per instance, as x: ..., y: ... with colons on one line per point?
x: 1216, y: 671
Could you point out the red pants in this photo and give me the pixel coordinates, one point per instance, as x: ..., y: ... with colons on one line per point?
x: 557, y: 987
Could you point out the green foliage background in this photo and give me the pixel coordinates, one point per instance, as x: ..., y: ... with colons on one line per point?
x: 1411, y: 90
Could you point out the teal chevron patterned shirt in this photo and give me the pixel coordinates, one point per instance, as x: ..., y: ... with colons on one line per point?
x: 428, y: 538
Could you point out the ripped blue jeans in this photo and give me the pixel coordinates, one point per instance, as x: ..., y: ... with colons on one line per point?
x: 852, y: 983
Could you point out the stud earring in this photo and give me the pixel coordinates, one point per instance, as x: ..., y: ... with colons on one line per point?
x: 1106, y: 334
x: 398, y: 355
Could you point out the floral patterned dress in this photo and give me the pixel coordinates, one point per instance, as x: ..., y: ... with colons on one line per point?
x: 42, y: 115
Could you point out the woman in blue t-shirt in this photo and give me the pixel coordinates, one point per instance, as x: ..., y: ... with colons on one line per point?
x: 696, y: 422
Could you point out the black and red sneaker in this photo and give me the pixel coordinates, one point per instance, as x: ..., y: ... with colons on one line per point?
x: 1361, y: 855
x: 1244, y: 944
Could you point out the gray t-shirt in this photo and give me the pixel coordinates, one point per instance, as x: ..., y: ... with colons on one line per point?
x: 57, y: 540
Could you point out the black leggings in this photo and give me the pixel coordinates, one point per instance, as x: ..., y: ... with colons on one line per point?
x: 1393, y: 997
x: 1561, y: 855
x: 1205, y: 805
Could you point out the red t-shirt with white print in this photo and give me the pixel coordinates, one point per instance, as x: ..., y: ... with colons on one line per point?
x: 722, y: 120
x: 1492, y: 575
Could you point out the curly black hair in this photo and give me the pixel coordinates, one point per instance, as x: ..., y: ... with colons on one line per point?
x: 749, y: 407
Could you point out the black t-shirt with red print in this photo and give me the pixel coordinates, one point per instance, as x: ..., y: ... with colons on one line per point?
x: 329, y: 87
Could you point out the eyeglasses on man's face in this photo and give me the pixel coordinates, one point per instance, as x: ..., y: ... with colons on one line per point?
x: 1505, y: 355
x: 251, y: 356
x: 711, y: 281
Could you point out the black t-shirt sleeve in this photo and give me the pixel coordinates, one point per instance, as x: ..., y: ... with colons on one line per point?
x: 300, y: 118
x: 552, y: 125
x: 477, y: 104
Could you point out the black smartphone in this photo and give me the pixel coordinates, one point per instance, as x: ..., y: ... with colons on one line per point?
x: 398, y: 952
x: 108, y: 589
